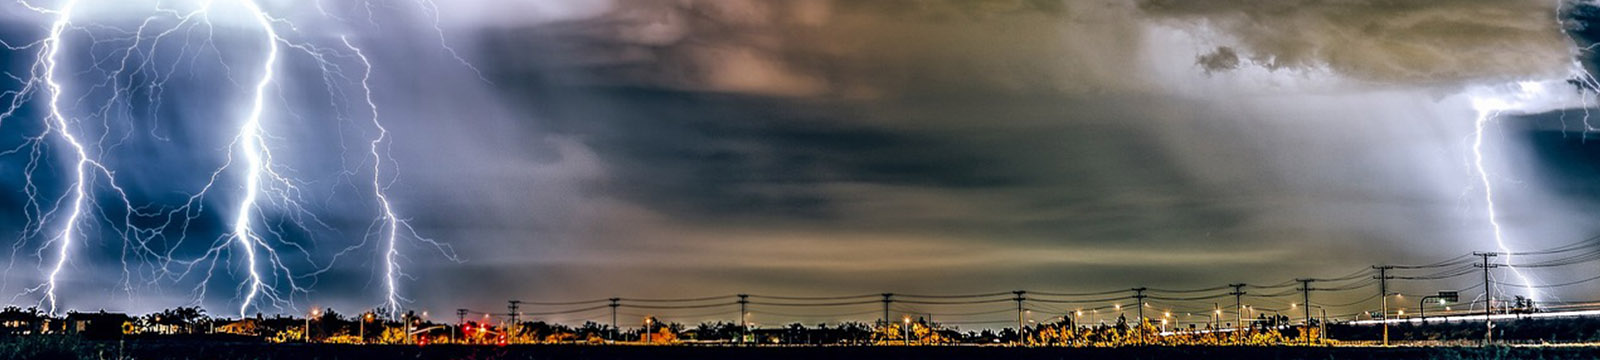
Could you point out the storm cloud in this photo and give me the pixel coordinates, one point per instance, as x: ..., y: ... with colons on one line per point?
x: 690, y: 148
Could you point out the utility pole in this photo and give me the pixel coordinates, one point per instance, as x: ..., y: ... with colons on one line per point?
x: 1488, y: 297
x: 1383, y: 292
x: 1020, y: 297
x: 461, y: 320
x: 1138, y: 294
x: 1305, y: 294
x: 513, y: 305
x: 1238, y: 306
x: 744, y: 323
x: 614, y: 304
x: 887, y: 298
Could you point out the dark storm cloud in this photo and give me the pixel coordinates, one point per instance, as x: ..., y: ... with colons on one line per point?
x: 1560, y: 157
x: 891, y: 121
x: 839, y: 49
x: 687, y: 148
x: 1222, y: 59
x: 838, y: 147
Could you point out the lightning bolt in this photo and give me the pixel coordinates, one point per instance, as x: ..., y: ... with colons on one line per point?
x: 64, y: 238
x: 390, y: 224
x: 255, y: 156
x: 1527, y: 95
x: 1488, y: 109
x: 154, y: 237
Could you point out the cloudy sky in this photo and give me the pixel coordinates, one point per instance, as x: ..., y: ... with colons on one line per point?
x: 569, y: 150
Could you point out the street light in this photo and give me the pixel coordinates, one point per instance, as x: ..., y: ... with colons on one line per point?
x: 647, y: 329
x: 314, y: 313
x: 364, y: 320
x: 905, y: 331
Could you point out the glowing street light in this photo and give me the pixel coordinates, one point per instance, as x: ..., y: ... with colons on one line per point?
x: 647, y: 329
x: 364, y: 320
x: 905, y: 331
x: 314, y: 313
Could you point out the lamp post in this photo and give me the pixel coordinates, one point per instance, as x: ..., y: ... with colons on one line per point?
x: 1322, y: 326
x: 905, y: 331
x: 364, y: 320
x: 647, y: 329
x: 307, y: 335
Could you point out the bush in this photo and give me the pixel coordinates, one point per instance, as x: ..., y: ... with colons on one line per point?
x: 48, y: 347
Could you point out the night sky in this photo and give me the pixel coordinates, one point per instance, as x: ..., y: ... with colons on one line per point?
x: 569, y: 150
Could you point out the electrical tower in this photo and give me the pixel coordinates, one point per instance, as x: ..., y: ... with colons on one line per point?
x: 1138, y: 295
x: 744, y: 322
x: 1019, y: 298
x: 1238, y: 306
x: 614, y: 304
x: 1488, y: 296
x: 1305, y: 294
x: 887, y: 298
x: 461, y: 320
x: 511, y: 331
x: 1383, y: 292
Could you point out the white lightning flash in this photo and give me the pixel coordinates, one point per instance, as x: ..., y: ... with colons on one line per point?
x: 390, y: 224
x: 1489, y: 103
x: 255, y: 156
x: 51, y: 62
x: 136, y: 61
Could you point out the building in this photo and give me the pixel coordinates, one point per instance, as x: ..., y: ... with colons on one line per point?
x: 98, y: 325
x: 17, y: 321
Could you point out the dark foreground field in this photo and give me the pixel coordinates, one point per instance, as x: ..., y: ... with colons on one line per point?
x: 205, y: 350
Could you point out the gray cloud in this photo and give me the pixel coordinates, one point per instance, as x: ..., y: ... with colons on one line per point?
x: 1431, y: 43
x: 685, y: 148
x: 1222, y: 59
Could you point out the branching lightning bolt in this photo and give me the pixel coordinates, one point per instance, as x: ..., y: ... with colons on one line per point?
x: 154, y: 236
x: 78, y: 196
x: 390, y: 225
x: 1525, y: 96
x: 1487, y: 110
x: 255, y: 157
